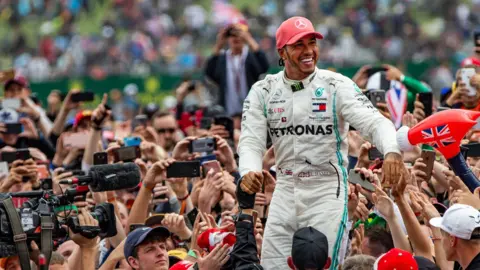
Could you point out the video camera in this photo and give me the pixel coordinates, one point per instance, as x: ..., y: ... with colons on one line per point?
x: 44, y: 211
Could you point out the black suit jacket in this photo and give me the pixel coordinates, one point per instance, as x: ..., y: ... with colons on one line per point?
x: 256, y: 63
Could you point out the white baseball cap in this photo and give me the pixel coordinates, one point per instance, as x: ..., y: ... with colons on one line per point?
x: 459, y: 220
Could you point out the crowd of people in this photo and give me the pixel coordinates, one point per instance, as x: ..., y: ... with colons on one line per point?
x: 296, y: 170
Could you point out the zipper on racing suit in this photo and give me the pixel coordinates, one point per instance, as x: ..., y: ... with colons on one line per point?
x: 338, y: 178
x: 336, y: 171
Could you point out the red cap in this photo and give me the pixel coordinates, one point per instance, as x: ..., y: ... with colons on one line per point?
x: 87, y: 114
x: 470, y: 61
x: 396, y: 259
x: 18, y: 79
x: 293, y: 29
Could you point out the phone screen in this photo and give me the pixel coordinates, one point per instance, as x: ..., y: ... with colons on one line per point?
x: 426, y: 99
x: 466, y: 75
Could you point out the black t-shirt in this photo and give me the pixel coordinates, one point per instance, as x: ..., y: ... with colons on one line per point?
x: 475, y: 264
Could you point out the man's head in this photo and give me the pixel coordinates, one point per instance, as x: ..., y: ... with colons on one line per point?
x: 145, y: 248
x: 309, y: 250
x: 377, y: 241
x: 10, y: 263
x: 233, y: 35
x: 66, y: 248
x: 460, y: 227
x: 166, y: 126
x: 297, y: 47
x: 58, y: 262
x: 17, y: 87
x: 359, y: 262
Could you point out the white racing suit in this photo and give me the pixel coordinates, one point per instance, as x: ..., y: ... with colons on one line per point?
x: 308, y: 122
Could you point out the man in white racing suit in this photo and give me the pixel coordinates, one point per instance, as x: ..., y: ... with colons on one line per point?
x: 307, y: 112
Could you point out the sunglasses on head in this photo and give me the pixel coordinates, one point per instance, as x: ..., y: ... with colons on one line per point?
x: 164, y: 130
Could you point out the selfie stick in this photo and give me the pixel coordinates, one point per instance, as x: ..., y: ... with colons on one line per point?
x: 444, y: 131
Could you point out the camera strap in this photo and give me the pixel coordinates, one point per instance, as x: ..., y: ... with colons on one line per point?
x: 46, y: 237
x: 19, y: 236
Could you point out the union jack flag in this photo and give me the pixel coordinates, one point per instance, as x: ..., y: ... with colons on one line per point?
x: 438, y: 136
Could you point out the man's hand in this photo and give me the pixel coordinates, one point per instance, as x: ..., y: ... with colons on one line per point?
x: 399, y: 188
x: 357, y: 241
x: 363, y: 159
x: 392, y: 168
x: 353, y: 200
x: 29, y: 129
x: 361, y: 77
x: 252, y: 182
x: 84, y: 219
x: 383, y: 109
x: 180, y: 152
x: 215, y: 259
x: 383, y: 203
x: 418, y: 171
x: 393, y: 73
x: 419, y: 110
x: 176, y: 224
x: 100, y: 114
x: 225, y: 154
x: 221, y: 40
x: 269, y: 185
x: 158, y: 191
x: 157, y: 173
x: 219, y: 130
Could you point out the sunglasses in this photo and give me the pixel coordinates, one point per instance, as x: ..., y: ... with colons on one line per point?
x: 164, y: 130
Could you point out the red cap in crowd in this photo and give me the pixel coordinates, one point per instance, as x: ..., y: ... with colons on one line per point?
x: 396, y: 259
x: 470, y: 61
x: 293, y: 29
x: 87, y: 114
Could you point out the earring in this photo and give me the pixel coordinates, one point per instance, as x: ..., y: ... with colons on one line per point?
x: 281, y: 62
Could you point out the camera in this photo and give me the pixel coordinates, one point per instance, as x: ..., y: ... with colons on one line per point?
x: 44, y: 203
x: 201, y: 145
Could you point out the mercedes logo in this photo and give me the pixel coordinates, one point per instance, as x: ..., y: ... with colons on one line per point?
x: 300, y: 24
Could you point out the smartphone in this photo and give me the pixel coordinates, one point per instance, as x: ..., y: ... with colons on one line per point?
x: 100, y: 158
x: 213, y: 164
x: 82, y: 96
x: 139, y: 120
x: 356, y: 178
x: 206, y: 123
x: 135, y: 226
x: 180, y: 169
x: 225, y: 121
x: 132, y: 141
x: 429, y: 159
x: 467, y: 74
x: 13, y: 128
x: 76, y: 140
x: 6, y: 75
x: 127, y: 154
x: 426, y: 99
x: 373, y: 154
x: 377, y: 96
x: 374, y: 70
x: 473, y: 149
x: 441, y: 109
x: 77, y: 172
x: 154, y: 220
x: 203, y: 145
x: 192, y: 216
x: 9, y: 157
x: 42, y: 172
x: 206, y: 158
x: 12, y: 103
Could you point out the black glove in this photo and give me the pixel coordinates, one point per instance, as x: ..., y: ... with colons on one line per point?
x: 245, y: 200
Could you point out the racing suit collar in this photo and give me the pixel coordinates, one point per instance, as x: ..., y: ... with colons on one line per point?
x: 299, y: 85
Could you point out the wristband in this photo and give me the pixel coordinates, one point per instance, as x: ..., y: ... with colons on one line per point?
x: 192, y: 254
x: 184, y: 198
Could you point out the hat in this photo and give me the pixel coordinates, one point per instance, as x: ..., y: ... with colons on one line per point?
x: 176, y: 255
x: 181, y: 265
x: 137, y: 236
x: 18, y: 79
x: 154, y: 220
x: 470, y: 61
x: 293, y: 29
x: 309, y: 248
x: 459, y: 220
x: 425, y: 264
x: 210, y: 238
x: 87, y: 114
x: 9, y: 116
x: 396, y: 259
